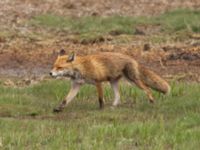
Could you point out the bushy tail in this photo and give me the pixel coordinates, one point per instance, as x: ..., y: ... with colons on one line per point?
x: 153, y: 80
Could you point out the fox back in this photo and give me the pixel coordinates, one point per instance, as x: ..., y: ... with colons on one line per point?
x: 99, y: 67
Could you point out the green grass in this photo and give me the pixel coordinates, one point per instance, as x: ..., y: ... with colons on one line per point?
x: 175, y: 24
x: 27, y: 121
x: 181, y: 20
x: 87, y: 24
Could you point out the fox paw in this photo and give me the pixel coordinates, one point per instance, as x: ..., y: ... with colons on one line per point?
x: 151, y: 101
x: 116, y: 104
x: 57, y: 110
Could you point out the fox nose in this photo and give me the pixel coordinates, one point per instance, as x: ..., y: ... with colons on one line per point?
x: 50, y: 73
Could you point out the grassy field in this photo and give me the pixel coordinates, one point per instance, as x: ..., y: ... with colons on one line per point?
x: 174, y: 25
x: 27, y: 121
x: 173, y: 122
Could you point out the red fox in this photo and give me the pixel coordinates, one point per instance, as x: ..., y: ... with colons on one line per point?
x: 105, y: 66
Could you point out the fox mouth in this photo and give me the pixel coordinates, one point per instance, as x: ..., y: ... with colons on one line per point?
x: 62, y: 73
x: 55, y: 74
x: 75, y: 74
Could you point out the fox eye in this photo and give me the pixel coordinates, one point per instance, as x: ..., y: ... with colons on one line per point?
x: 58, y: 68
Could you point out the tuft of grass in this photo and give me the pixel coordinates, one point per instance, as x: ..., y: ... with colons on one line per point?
x: 4, y: 35
x: 27, y: 121
x: 179, y: 20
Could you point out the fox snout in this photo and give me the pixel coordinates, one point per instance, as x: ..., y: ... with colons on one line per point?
x: 57, y: 73
x: 53, y: 74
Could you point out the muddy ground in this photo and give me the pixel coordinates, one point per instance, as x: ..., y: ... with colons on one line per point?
x: 22, y: 56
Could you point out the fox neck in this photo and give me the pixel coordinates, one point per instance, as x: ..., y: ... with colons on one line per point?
x: 77, y: 77
x: 73, y: 74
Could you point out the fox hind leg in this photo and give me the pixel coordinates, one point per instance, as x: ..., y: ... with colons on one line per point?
x: 131, y: 73
x: 147, y: 91
x: 141, y: 85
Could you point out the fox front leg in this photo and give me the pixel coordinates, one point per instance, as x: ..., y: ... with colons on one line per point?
x: 115, y: 87
x: 72, y: 93
x: 100, y: 95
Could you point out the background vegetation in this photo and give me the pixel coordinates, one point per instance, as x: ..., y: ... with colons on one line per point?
x: 176, y: 24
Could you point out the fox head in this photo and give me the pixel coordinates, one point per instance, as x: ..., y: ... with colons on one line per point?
x: 63, y: 65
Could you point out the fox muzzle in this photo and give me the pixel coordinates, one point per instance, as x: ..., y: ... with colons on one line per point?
x: 53, y: 74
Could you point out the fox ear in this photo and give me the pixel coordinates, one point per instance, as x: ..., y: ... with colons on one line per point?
x: 62, y: 52
x: 71, y: 57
